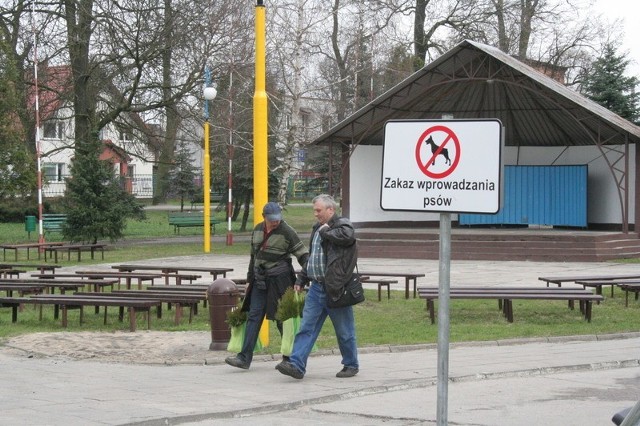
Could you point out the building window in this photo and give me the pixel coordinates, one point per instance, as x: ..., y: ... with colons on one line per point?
x: 305, y: 118
x: 53, y: 129
x: 53, y: 172
x: 125, y: 136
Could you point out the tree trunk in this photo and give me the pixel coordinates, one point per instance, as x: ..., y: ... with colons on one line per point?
x: 419, y: 41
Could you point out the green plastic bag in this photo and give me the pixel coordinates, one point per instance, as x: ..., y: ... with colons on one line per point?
x: 237, y: 339
x: 290, y: 328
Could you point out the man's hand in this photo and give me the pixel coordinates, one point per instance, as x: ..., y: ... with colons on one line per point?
x: 297, y: 288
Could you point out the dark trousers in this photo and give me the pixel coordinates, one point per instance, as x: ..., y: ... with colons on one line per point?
x: 257, y: 311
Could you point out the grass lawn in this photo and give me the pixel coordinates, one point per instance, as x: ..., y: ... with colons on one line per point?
x: 389, y: 322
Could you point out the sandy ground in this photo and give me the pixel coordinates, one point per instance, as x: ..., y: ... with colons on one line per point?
x: 141, y: 347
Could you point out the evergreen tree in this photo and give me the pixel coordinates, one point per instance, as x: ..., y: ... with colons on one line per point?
x: 96, y: 205
x: 182, y: 175
x: 607, y: 85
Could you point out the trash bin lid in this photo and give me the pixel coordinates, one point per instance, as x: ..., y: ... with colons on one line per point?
x: 222, y: 285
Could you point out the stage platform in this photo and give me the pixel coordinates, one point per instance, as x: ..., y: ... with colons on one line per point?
x: 535, y: 244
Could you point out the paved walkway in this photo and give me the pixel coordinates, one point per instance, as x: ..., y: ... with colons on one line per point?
x: 560, y: 381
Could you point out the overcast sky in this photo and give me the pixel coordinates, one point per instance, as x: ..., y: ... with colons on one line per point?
x: 626, y: 10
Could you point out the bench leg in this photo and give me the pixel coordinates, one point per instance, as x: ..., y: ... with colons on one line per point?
x: 509, y: 305
x: 587, y: 314
x: 132, y: 319
x: 64, y: 316
x: 178, y: 315
x: 105, y: 314
x: 431, y: 309
x: 379, y: 291
x: 14, y: 313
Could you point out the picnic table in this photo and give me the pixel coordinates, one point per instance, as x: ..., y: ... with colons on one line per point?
x: 72, y: 301
x: 78, y: 248
x: 128, y: 277
x: 28, y: 247
x: 21, y: 288
x: 506, y: 295
x: 559, y: 280
x: 63, y: 284
x: 408, y: 279
x: 6, y: 272
x: 629, y: 287
x: 40, y: 267
x: 13, y: 303
x: 172, y: 270
x: 180, y: 299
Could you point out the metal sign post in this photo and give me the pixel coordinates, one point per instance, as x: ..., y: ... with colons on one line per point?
x: 443, y: 318
x: 446, y: 166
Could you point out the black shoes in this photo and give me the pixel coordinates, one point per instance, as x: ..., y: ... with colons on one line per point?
x: 234, y: 361
x: 347, y: 372
x: 288, y: 369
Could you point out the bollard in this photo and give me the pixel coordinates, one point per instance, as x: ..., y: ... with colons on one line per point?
x: 222, y: 296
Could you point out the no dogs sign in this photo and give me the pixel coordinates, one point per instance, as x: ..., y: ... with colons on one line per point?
x: 442, y: 166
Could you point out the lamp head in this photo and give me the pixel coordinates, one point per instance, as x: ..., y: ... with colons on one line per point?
x: 210, y: 93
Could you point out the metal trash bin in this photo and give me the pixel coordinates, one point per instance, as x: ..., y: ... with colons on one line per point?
x: 222, y: 296
x: 29, y: 224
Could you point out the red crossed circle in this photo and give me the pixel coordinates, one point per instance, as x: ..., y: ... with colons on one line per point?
x: 424, y: 166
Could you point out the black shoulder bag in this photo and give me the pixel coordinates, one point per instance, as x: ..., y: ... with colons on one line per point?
x: 352, y: 293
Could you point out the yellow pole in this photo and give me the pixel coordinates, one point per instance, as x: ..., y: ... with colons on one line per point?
x: 206, y: 188
x: 260, y: 150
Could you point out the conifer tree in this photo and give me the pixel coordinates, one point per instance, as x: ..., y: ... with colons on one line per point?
x: 608, y: 85
x: 182, y: 175
x: 96, y: 205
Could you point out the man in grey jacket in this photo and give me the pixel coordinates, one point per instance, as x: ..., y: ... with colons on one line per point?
x: 332, y: 260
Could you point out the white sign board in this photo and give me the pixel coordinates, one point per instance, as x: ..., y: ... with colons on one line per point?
x: 442, y: 166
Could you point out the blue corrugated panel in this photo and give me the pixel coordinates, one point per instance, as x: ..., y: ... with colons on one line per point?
x: 539, y: 195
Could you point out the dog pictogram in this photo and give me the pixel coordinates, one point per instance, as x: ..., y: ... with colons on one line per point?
x: 437, y: 150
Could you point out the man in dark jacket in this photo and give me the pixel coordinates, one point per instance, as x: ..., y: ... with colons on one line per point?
x: 270, y: 273
x: 332, y: 260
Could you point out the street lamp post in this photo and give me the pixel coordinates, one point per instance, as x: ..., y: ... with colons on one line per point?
x: 209, y: 95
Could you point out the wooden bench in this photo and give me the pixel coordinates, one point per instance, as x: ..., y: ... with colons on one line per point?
x: 190, y: 219
x: 170, y: 270
x: 21, y: 288
x: 66, y: 302
x: 408, y: 279
x: 10, y: 272
x: 180, y: 299
x: 39, y: 267
x: 28, y: 247
x: 53, y: 222
x: 64, y: 284
x: 382, y: 282
x: 559, y: 280
x: 98, y: 275
x: 127, y: 276
x: 198, y: 199
x: 13, y: 303
x: 629, y: 287
x: 507, y: 295
x: 78, y: 248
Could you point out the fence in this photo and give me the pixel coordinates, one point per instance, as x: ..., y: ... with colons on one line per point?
x: 142, y: 186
